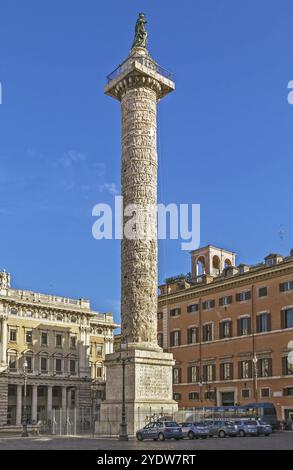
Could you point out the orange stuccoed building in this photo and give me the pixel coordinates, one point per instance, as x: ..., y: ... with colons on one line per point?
x: 230, y: 330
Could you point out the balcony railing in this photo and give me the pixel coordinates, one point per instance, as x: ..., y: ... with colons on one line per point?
x: 44, y: 298
x: 143, y: 60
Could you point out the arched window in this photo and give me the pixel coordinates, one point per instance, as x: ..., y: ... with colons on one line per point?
x: 200, y: 266
x: 216, y: 265
x: 227, y: 263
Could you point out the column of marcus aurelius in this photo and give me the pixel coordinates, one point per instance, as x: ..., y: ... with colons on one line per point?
x: 139, y: 83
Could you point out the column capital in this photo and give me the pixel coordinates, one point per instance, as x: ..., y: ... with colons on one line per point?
x: 136, y: 71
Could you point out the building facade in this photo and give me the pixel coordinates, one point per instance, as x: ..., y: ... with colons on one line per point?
x: 230, y: 330
x: 52, y: 353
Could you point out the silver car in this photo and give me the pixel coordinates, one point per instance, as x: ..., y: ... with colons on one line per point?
x: 221, y: 428
x: 195, y: 430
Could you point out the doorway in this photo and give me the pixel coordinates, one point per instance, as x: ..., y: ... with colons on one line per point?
x: 227, y: 398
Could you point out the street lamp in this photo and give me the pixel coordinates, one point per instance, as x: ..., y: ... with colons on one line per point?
x: 24, y: 419
x: 123, y: 436
x: 255, y: 360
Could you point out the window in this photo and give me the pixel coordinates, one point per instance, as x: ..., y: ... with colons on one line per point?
x: 192, y: 335
x: 99, y: 372
x: 100, y: 395
x: 265, y: 367
x: 244, y: 326
x: 270, y: 261
x: 59, y: 340
x: 242, y: 296
x: 245, y: 369
x: 226, y: 300
x: 72, y: 366
x: 226, y: 371
x: 208, y: 304
x: 13, y: 311
x: 209, y: 395
x: 192, y: 374
x: 263, y: 322
x: 175, y: 312
x: 193, y: 396
x: 209, y: 373
x: 72, y: 342
x: 160, y: 315
x: 207, y: 332
x: 265, y: 392
x: 245, y: 393
x: 59, y: 317
x: 44, y: 315
x: 12, y: 335
x: 44, y: 364
x: 41, y: 391
x: 176, y: 375
x: 286, y: 286
x: 12, y: 362
x: 226, y: 329
x: 288, y: 392
x: 29, y: 361
x: 58, y: 365
x: 44, y: 339
x: 73, y: 319
x: 287, y: 367
x: 29, y: 336
x: 99, y: 349
x: 263, y: 292
x: 287, y: 318
x: 175, y: 338
x: 192, y: 308
x: 177, y: 396
x: 160, y: 338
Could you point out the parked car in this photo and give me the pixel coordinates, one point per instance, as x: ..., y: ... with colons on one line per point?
x: 195, y: 430
x: 263, y: 428
x: 221, y: 428
x: 246, y: 427
x: 160, y: 430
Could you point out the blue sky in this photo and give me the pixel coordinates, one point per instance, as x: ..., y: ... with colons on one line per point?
x: 225, y: 134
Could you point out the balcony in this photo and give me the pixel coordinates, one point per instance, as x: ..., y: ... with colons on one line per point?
x: 145, y: 61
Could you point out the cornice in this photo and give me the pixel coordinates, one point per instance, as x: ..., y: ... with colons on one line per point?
x: 227, y: 284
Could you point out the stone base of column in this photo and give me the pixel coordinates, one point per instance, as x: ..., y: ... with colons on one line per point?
x: 148, y: 390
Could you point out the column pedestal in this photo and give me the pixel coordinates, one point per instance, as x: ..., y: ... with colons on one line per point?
x: 148, y: 390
